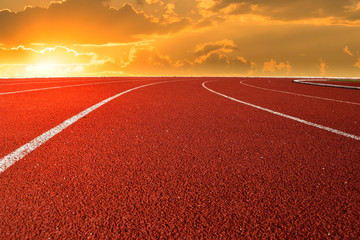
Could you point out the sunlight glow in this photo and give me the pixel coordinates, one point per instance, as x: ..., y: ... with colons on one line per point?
x: 44, y: 69
x: 161, y: 37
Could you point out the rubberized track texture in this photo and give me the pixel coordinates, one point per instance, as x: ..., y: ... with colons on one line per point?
x: 179, y: 158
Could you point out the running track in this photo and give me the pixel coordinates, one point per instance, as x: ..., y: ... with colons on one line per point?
x: 214, y: 158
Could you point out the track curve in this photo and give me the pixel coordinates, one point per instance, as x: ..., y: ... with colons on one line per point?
x: 177, y: 161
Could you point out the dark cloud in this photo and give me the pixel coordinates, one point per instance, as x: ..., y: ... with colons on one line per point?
x: 80, y: 21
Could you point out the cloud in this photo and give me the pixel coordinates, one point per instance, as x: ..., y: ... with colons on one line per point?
x: 272, y: 66
x: 81, y: 21
x: 323, y: 67
x: 209, y: 58
x: 57, y: 61
x: 222, y: 36
x: 213, y: 58
x: 214, y: 63
x: 357, y: 64
x: 58, y: 54
x: 218, y: 58
x: 347, y: 50
x: 148, y: 61
x: 287, y: 10
x: 158, y: 8
x: 206, y: 48
x: 154, y: 2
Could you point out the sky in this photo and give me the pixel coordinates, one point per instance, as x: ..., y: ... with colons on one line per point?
x: 44, y: 38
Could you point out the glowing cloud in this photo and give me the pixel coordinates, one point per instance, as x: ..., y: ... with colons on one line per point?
x: 173, y: 37
x: 273, y: 66
x: 347, y: 50
x: 81, y: 21
x: 357, y: 64
x: 57, y: 61
x: 322, y: 67
x: 224, y: 46
x: 290, y: 10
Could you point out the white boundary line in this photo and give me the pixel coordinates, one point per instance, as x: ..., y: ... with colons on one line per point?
x: 65, y: 86
x: 285, y: 115
x: 297, y: 94
x: 306, y: 81
x: 24, y: 150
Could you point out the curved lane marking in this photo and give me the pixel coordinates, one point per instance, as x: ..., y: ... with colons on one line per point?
x: 323, y: 84
x: 285, y: 115
x: 298, y: 94
x: 24, y: 150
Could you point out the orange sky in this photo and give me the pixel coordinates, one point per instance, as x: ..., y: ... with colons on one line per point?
x: 179, y: 37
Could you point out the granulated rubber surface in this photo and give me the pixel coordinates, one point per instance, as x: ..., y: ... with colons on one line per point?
x: 174, y: 160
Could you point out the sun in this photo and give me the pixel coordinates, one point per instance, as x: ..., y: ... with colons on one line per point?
x: 45, y: 69
x: 51, y: 69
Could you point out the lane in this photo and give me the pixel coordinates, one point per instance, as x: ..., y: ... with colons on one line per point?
x: 32, y: 81
x: 324, y: 92
x: 26, y: 149
x: 333, y: 84
x: 19, y: 81
x: 244, y: 82
x: 174, y: 160
x: 26, y: 116
x: 335, y: 131
x: 336, y: 115
x: 23, y: 88
x: 345, y: 83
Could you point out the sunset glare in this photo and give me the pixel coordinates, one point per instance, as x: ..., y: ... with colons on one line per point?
x: 179, y: 38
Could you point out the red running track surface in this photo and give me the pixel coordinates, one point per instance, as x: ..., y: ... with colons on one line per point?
x: 174, y: 160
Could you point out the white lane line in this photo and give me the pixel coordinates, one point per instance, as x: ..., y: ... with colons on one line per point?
x: 24, y: 150
x: 323, y: 84
x: 285, y: 115
x: 57, y: 87
x: 297, y: 94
